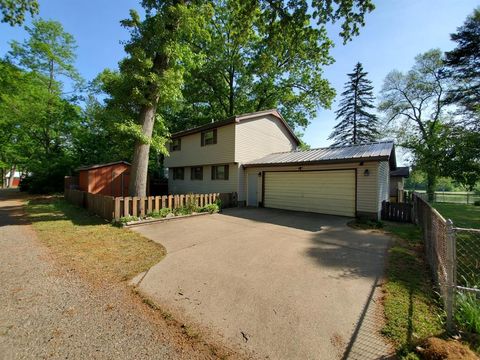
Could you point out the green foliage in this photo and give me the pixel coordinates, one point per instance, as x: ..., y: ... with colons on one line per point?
x: 414, y: 106
x: 467, y: 312
x: 125, y: 219
x: 13, y: 11
x: 356, y: 124
x: 210, y: 208
x: 464, y: 68
x: 160, y: 213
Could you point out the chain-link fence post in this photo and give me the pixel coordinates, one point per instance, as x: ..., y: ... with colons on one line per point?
x: 450, y: 274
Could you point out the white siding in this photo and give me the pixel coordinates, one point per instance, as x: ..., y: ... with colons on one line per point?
x: 255, y: 138
x: 207, y: 185
x: 367, y: 191
x: 383, y: 182
x: 192, y: 153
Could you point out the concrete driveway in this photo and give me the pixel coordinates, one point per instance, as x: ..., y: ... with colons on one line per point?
x: 279, y: 284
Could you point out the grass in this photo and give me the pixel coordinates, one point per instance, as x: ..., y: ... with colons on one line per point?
x: 411, y: 306
x: 466, y: 216
x: 86, y: 243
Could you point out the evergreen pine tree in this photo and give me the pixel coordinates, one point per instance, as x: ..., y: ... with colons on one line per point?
x: 356, y: 124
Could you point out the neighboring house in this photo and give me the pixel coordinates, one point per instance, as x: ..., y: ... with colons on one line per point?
x: 15, y: 182
x: 110, y: 179
x: 255, y: 155
x: 397, y: 182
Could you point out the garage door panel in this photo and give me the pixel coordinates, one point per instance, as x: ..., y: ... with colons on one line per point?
x: 329, y: 192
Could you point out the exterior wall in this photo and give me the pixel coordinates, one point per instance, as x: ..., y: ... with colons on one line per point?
x: 255, y: 138
x: 367, y: 202
x: 207, y: 185
x: 396, y: 183
x: 108, y: 180
x: 383, y: 183
x: 192, y: 153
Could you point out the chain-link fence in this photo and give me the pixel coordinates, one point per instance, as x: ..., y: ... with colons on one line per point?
x: 453, y: 254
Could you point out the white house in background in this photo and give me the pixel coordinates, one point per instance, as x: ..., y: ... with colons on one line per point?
x: 15, y: 181
x: 255, y: 155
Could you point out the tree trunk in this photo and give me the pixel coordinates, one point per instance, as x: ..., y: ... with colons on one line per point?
x: 12, y: 176
x: 139, y: 170
x: 431, y: 185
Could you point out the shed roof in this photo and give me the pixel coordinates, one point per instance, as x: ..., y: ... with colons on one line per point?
x: 403, y: 171
x: 237, y: 119
x: 384, y: 150
x: 96, y: 166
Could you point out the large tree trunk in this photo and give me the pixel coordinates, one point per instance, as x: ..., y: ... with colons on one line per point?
x: 139, y: 170
x: 431, y: 185
x: 12, y: 176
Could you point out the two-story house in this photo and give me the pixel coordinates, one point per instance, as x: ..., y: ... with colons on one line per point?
x: 255, y: 155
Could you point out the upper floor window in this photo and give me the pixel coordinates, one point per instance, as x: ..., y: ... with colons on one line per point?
x: 178, y: 173
x: 209, y: 137
x: 196, y: 173
x: 220, y: 172
x: 176, y: 144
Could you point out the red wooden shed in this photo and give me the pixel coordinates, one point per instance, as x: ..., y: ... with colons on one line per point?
x: 110, y: 179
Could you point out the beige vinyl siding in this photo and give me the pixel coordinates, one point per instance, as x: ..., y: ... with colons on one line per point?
x: 383, y: 182
x: 207, y: 185
x: 367, y: 192
x: 192, y: 153
x: 327, y: 192
x: 257, y: 137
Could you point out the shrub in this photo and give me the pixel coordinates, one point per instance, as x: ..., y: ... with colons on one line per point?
x: 467, y: 312
x: 476, y: 203
x: 125, y: 219
x: 211, y: 208
x: 160, y: 214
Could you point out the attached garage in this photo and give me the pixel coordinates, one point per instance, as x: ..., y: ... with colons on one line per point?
x: 345, y: 181
x: 327, y: 192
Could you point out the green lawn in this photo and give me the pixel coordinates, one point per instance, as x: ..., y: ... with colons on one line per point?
x: 466, y: 216
x: 411, y: 306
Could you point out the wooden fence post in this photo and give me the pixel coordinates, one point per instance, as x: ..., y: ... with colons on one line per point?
x: 157, y: 203
x: 126, y: 206
x: 170, y: 201
x: 117, y: 208
x: 135, y: 206
x: 164, y: 201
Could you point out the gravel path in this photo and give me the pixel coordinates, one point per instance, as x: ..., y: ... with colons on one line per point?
x: 49, y: 312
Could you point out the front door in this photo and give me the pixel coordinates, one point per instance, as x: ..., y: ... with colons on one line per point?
x: 252, y: 190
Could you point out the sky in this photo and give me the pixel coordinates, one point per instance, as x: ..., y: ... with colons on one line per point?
x: 395, y: 32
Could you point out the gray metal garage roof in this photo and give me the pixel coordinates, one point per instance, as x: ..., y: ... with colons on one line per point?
x: 383, y: 150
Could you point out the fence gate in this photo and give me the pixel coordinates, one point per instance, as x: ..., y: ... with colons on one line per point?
x: 397, y: 211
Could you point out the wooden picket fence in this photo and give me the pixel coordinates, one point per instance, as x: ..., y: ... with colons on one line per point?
x: 141, y: 206
x: 109, y: 207
x: 401, y: 212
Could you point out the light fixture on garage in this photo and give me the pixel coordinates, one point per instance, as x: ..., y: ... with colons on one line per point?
x: 366, y: 173
x: 259, y: 174
x: 361, y: 163
x: 299, y: 168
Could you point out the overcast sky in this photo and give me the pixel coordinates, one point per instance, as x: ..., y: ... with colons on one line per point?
x: 394, y: 33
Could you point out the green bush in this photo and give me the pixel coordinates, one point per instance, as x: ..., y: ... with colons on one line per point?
x: 211, y: 208
x: 476, y: 203
x: 160, y: 214
x: 467, y: 312
x: 126, y: 219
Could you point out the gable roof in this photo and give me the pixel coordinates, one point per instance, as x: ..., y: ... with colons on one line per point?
x: 96, y: 166
x: 378, y: 151
x: 403, y: 171
x: 237, y: 119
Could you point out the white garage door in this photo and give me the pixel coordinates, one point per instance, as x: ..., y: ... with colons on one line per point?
x: 326, y: 192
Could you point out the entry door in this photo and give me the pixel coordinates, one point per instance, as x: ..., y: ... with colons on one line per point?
x: 252, y: 185
x: 327, y: 192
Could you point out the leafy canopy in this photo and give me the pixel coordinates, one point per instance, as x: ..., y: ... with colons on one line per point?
x: 13, y: 11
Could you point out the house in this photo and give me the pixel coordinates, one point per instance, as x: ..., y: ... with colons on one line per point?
x: 110, y: 179
x: 15, y: 182
x: 397, y: 182
x: 255, y: 155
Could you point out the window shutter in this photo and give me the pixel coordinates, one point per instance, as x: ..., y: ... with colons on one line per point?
x: 180, y: 144
x: 192, y: 171
x: 213, y: 172
x: 202, y: 141
x: 171, y: 146
x: 214, y: 136
x: 226, y: 172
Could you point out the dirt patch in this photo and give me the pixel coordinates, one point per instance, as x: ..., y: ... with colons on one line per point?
x: 439, y: 349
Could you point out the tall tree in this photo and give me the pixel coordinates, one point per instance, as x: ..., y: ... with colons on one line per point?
x: 13, y: 11
x: 162, y: 53
x: 414, y: 103
x: 464, y: 67
x: 265, y: 54
x: 357, y: 124
x: 41, y: 120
